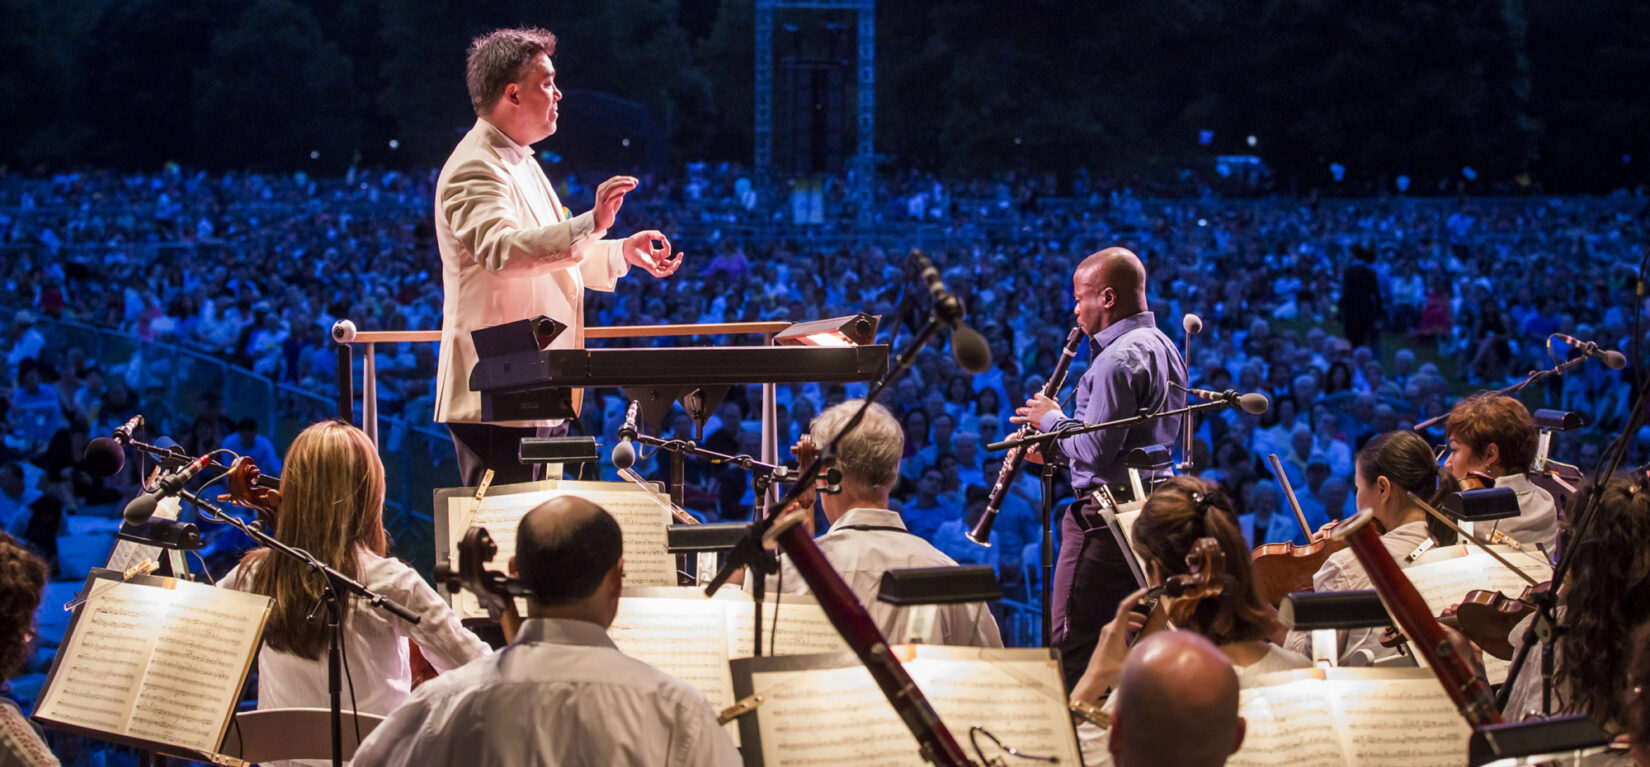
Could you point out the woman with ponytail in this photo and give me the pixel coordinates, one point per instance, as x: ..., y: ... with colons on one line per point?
x: 1390, y: 469
x: 1180, y: 512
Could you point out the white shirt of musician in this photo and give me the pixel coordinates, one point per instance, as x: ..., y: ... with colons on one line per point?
x: 561, y: 694
x: 375, y: 644
x: 865, y: 543
x: 1341, y: 572
x: 1537, y: 520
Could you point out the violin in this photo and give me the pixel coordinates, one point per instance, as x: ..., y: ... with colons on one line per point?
x: 1281, y: 569
x: 1476, y: 480
x: 495, y: 591
x: 1488, y: 617
x: 243, y: 480
x: 1175, y: 601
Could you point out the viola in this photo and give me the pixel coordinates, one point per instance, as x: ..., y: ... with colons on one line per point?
x: 1476, y: 480
x: 246, y: 489
x: 496, y: 591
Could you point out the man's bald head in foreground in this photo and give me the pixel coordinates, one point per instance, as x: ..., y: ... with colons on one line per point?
x: 1175, y: 684
x: 1109, y: 286
x: 570, y: 552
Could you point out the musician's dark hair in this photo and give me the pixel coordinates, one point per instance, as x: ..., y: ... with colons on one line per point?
x: 332, y: 506
x: 1638, y: 687
x: 566, y: 560
x: 1406, y: 460
x: 22, y: 577
x: 1606, y: 594
x: 1179, y: 512
x: 1484, y: 419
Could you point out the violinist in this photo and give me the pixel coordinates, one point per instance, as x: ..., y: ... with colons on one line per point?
x: 1178, y: 513
x: 1495, y: 435
x: 1604, y: 596
x: 1389, y: 468
x: 332, y: 507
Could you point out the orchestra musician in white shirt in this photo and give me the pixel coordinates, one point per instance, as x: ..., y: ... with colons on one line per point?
x: 332, y: 503
x: 561, y: 693
x: 867, y: 539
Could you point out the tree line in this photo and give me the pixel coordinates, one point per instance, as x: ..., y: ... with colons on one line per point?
x: 1539, y: 94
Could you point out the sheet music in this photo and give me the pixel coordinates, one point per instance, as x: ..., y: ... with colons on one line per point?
x: 162, y: 664
x: 1289, y: 724
x: 836, y: 715
x: 643, y: 521
x: 802, y: 629
x: 686, y: 638
x: 1408, y: 722
x: 1444, y: 577
x: 1357, y: 717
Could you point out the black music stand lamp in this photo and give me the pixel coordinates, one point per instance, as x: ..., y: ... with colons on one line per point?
x: 508, y: 341
x: 1537, y: 741
x: 1486, y: 505
x: 925, y: 588
x: 854, y: 330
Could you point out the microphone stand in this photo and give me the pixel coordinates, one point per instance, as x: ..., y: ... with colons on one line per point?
x: 1532, y: 377
x: 1045, y: 437
x: 332, y: 595
x: 762, y: 477
x: 936, y: 742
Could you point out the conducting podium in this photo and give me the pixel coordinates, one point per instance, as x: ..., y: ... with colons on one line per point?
x: 520, y: 378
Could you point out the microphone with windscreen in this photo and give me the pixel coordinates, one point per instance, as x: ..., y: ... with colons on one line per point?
x: 968, y: 347
x: 624, y: 453
x: 1253, y: 403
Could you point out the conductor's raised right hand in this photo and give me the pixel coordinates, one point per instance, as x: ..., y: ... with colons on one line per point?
x: 609, y: 198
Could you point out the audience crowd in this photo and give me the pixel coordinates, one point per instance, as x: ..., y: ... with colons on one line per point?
x: 1353, y: 316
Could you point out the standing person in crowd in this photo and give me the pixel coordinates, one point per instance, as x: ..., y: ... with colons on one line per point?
x: 509, y: 251
x: 561, y: 693
x: 1361, y: 304
x: 22, y: 579
x: 1135, y: 367
x: 332, y: 506
x: 1494, y: 434
x: 1179, y: 513
x: 867, y: 539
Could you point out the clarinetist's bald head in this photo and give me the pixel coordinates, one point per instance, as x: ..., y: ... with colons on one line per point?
x: 570, y: 552
x: 1108, y: 286
x: 1175, y: 683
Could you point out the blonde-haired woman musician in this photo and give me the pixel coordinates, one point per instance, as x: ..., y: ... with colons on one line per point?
x: 332, y: 506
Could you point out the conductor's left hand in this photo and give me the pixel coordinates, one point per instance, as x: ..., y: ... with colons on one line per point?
x: 650, y: 250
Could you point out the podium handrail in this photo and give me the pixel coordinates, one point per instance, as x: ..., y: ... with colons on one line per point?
x: 617, y: 331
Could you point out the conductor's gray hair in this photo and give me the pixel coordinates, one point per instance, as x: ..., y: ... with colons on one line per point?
x: 869, y: 456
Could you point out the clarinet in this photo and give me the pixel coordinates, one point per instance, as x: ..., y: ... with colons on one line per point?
x: 981, y: 534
